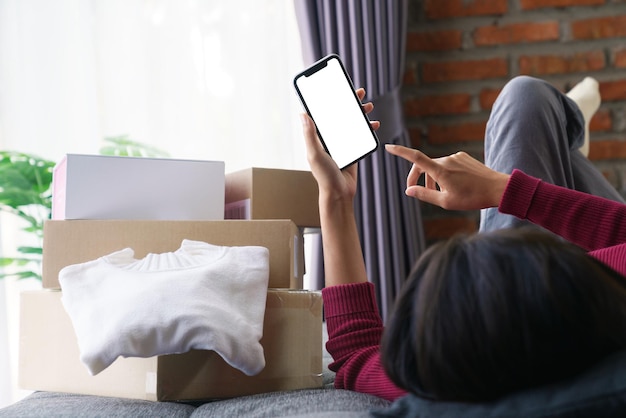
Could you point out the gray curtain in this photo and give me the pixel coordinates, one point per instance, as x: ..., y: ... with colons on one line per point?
x: 369, y: 36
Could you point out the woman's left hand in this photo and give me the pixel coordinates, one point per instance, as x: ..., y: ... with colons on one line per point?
x: 334, y: 184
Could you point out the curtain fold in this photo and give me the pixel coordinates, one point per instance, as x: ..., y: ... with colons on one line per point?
x: 369, y: 36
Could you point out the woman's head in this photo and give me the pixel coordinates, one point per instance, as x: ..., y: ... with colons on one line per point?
x: 485, y: 315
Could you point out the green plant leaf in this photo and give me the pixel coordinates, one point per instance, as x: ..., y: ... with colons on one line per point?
x: 22, y: 275
x: 25, y: 172
x: 16, y: 198
x: 30, y: 250
x: 6, y: 261
x: 17, y: 261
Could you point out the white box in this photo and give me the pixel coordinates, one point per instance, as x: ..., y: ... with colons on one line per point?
x: 108, y: 187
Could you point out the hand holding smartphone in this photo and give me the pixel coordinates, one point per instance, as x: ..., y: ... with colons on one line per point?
x: 329, y: 97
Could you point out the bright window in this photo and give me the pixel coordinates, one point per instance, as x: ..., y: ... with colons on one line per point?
x: 201, y: 79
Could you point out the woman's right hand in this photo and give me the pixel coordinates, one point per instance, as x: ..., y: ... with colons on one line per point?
x: 454, y: 182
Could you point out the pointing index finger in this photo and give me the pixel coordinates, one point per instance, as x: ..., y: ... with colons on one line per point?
x: 421, y: 160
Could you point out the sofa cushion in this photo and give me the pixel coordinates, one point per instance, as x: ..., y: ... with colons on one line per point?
x: 299, y: 403
x: 57, y: 405
x: 599, y: 392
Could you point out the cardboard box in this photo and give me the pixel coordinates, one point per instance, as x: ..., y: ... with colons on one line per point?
x: 292, y: 343
x: 266, y: 193
x: 79, y: 241
x: 107, y: 187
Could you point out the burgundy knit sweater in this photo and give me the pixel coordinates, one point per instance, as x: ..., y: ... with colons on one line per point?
x: 354, y: 323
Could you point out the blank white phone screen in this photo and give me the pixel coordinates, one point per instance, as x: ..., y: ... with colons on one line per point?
x: 338, y: 115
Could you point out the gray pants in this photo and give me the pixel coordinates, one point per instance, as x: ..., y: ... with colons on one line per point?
x: 537, y: 129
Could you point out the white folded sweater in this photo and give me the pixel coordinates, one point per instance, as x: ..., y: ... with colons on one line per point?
x: 201, y: 296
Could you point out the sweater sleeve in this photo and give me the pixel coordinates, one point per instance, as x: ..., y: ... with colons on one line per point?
x: 588, y: 221
x: 354, y: 334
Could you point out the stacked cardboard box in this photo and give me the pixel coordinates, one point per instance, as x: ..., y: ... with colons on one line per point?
x: 267, y: 193
x: 49, y: 356
x: 292, y: 339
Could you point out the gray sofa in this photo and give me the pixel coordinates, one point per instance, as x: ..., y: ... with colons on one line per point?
x: 322, y: 402
x: 300, y: 403
x: 599, y: 392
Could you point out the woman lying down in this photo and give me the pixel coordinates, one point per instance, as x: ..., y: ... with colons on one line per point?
x: 509, y: 308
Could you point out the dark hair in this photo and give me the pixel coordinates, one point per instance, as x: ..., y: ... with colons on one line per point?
x: 485, y: 315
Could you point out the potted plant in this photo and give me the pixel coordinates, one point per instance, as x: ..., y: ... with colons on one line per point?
x: 25, y: 192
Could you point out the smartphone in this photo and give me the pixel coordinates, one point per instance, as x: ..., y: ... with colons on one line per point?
x: 328, y: 96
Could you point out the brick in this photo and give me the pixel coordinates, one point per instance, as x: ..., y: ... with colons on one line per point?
x: 445, y: 40
x: 460, y: 132
x: 538, y: 4
x: 410, y: 73
x: 445, y: 9
x: 465, y: 70
x: 558, y: 64
x: 443, y: 228
x: 601, y: 121
x: 448, y: 104
x: 409, y: 78
x: 613, y: 90
x: 488, y: 97
x: 607, y: 150
x: 599, y: 28
x: 517, y: 33
x: 619, y: 59
x: 415, y: 135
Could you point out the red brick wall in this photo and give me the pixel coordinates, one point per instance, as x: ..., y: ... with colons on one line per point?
x: 460, y: 53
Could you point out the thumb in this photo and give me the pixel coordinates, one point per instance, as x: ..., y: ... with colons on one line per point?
x: 312, y: 142
x: 424, y: 194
